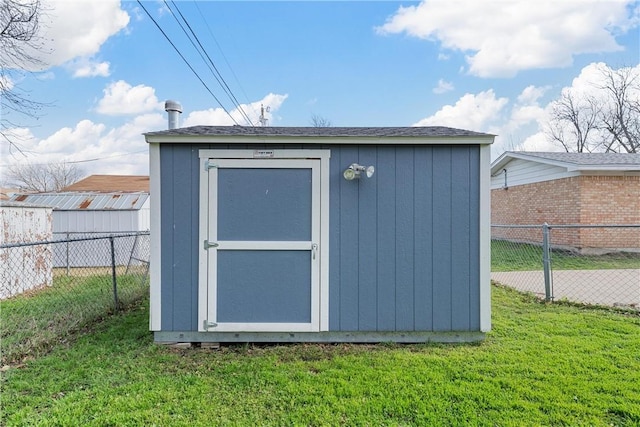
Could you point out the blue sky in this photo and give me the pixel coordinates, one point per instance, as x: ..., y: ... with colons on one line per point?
x: 491, y: 66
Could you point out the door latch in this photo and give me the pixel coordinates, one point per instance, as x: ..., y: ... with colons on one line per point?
x: 208, y: 324
x: 208, y: 245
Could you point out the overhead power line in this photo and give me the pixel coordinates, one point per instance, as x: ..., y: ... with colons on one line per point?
x: 186, y: 62
x: 206, y: 23
x: 210, y: 64
x: 76, y: 161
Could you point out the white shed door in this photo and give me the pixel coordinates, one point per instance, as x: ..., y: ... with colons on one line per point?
x: 263, y: 238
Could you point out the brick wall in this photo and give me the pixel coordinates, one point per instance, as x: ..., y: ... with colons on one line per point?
x: 576, y: 200
x: 610, y: 200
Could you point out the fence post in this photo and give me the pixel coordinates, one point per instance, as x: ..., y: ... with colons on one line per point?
x: 546, y: 262
x: 67, y: 254
x: 113, y: 274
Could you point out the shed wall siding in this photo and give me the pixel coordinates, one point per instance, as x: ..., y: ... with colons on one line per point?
x: 25, y: 225
x: 403, y: 245
x: 109, y: 221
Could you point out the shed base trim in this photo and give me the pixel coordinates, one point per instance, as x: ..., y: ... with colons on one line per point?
x: 319, y: 337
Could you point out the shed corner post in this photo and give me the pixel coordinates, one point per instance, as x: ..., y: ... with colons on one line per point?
x: 485, y: 237
x: 155, y: 225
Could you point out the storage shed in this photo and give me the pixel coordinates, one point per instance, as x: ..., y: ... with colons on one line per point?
x: 276, y: 234
x: 92, y: 214
x: 24, y: 268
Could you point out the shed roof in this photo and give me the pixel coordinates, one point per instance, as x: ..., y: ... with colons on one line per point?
x: 111, y: 184
x: 574, y: 161
x: 13, y: 204
x: 408, y: 135
x: 85, y: 201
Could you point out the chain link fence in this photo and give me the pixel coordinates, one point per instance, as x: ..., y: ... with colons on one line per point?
x: 591, y: 264
x: 50, y: 289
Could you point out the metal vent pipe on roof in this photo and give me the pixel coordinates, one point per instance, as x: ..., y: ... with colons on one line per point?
x: 174, y: 109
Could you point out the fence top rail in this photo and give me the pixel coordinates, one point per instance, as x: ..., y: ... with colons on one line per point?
x: 80, y: 239
x: 514, y: 226
x: 566, y: 226
x: 101, y: 233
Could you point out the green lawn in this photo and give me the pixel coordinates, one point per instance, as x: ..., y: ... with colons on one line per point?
x: 541, y: 365
x: 510, y: 256
x: 31, y: 323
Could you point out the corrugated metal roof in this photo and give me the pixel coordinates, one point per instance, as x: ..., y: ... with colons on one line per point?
x: 85, y: 201
x: 12, y: 204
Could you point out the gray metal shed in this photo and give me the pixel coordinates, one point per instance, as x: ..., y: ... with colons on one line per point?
x: 277, y: 234
x: 24, y: 223
x: 92, y: 214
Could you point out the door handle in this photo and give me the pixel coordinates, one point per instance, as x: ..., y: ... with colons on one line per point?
x: 314, y: 249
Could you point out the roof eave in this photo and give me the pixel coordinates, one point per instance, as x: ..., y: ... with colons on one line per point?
x: 508, y: 156
x: 287, y: 139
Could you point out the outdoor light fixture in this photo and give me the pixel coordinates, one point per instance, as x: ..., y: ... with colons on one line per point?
x: 354, y: 171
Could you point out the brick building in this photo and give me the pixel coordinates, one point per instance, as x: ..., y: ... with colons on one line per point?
x: 568, y: 188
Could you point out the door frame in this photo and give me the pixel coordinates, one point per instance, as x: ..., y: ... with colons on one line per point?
x: 204, y: 267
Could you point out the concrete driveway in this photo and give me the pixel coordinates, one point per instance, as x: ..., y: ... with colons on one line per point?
x: 605, y: 287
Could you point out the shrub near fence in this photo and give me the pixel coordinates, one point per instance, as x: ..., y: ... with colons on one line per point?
x: 538, y: 259
x: 36, y: 313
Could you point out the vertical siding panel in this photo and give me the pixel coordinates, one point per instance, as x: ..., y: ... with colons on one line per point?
x: 194, y: 189
x: 166, y: 268
x: 184, y: 270
x: 442, y: 238
x: 367, y: 249
x: 404, y: 254
x: 474, y: 239
x: 386, y: 269
x: 460, y: 250
x: 348, y: 244
x: 423, y: 209
x: 334, y: 239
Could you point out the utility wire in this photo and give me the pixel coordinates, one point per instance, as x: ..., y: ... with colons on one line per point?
x: 187, y: 62
x: 212, y: 66
x: 75, y: 161
x: 195, y: 2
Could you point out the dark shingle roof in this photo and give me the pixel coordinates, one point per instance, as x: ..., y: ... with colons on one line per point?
x: 588, y: 159
x: 416, y: 131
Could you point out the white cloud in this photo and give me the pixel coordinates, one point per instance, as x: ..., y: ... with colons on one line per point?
x: 68, y: 141
x: 474, y: 112
x: 217, y: 116
x: 527, y: 116
x: 443, y: 86
x: 526, y: 126
x: 120, y: 98
x: 75, y: 29
x: 97, y: 148
x: 118, y: 150
x: 503, y: 37
x: 6, y: 83
x: 88, y: 68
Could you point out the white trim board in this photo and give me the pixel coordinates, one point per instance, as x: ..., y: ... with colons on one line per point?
x: 485, y: 239
x: 155, y: 276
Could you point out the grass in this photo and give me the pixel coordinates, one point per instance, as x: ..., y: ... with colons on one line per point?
x: 511, y: 256
x: 541, y: 365
x: 31, y: 323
